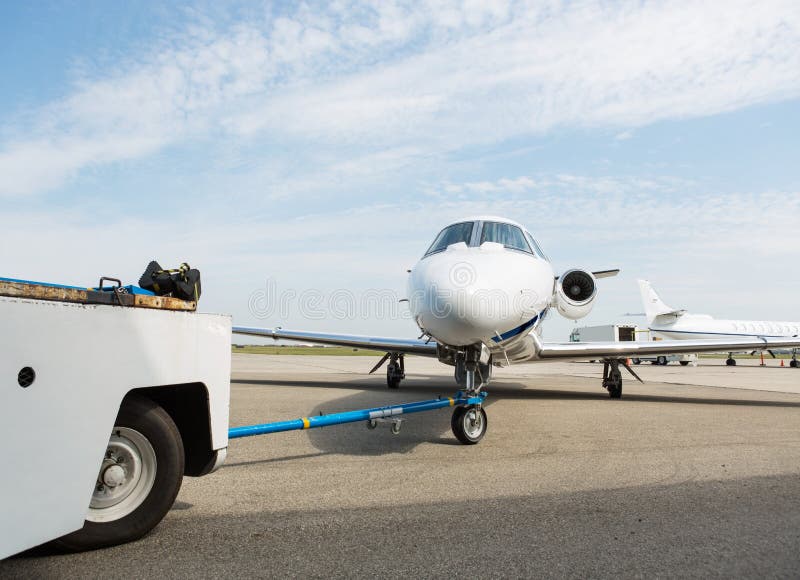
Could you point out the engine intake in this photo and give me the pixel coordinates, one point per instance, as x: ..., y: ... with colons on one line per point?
x: 575, y: 294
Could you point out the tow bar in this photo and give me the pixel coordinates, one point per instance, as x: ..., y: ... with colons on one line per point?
x: 468, y: 423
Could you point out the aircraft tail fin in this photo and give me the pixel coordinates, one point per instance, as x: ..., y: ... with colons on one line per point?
x: 653, y: 305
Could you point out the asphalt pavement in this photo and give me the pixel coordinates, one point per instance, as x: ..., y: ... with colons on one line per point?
x: 676, y: 479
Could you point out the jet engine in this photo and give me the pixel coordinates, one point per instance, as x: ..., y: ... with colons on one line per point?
x: 575, y: 294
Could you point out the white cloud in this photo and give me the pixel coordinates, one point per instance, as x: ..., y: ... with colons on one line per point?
x: 587, y: 64
x: 424, y: 79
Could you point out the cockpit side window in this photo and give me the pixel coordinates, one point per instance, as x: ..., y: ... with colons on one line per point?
x: 451, y: 235
x: 508, y: 235
x: 535, y: 246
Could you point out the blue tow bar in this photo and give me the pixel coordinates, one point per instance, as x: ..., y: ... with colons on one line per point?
x: 461, y: 399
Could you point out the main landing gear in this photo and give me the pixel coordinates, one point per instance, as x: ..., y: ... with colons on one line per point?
x: 395, y: 370
x: 793, y: 363
x: 612, y: 377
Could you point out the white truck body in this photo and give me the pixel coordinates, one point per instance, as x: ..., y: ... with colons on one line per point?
x: 86, y: 358
x: 605, y: 333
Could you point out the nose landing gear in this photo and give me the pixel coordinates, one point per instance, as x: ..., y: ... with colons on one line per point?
x: 473, y: 371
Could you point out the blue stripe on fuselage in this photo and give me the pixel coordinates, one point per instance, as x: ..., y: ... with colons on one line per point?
x: 520, y: 329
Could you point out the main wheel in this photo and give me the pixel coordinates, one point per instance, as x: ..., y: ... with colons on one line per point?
x: 139, y: 478
x: 662, y: 360
x: 393, y: 376
x: 469, y: 424
x: 684, y: 363
x: 793, y: 363
x: 636, y: 361
x: 615, y: 392
x: 731, y: 362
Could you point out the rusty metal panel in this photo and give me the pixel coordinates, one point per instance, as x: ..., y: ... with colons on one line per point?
x: 40, y: 292
x: 164, y: 303
x: 37, y: 292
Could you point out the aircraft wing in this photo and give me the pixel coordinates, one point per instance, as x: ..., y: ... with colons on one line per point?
x: 399, y: 345
x: 545, y: 351
x: 597, y: 350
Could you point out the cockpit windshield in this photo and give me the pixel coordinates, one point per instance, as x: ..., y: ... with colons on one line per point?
x: 536, y: 247
x: 453, y: 234
x: 507, y: 234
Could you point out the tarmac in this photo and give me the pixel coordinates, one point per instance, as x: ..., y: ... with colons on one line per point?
x: 695, y: 473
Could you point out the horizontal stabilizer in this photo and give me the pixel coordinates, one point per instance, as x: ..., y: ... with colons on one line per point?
x: 673, y: 313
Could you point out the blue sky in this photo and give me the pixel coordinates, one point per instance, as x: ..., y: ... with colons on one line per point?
x: 320, y: 146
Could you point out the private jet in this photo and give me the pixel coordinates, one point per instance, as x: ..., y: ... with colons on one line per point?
x: 479, y: 296
x: 680, y: 324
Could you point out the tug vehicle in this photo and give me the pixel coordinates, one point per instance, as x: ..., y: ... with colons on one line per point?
x: 108, y: 398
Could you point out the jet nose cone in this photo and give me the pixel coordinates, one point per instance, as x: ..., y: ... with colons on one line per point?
x: 445, y: 302
x: 469, y: 296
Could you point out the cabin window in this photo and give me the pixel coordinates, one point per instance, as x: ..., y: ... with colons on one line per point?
x: 453, y: 234
x: 508, y: 235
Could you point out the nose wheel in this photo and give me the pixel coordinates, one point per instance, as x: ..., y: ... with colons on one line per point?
x: 469, y: 424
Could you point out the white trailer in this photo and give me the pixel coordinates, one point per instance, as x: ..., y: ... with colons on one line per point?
x: 103, y: 410
x: 605, y: 333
